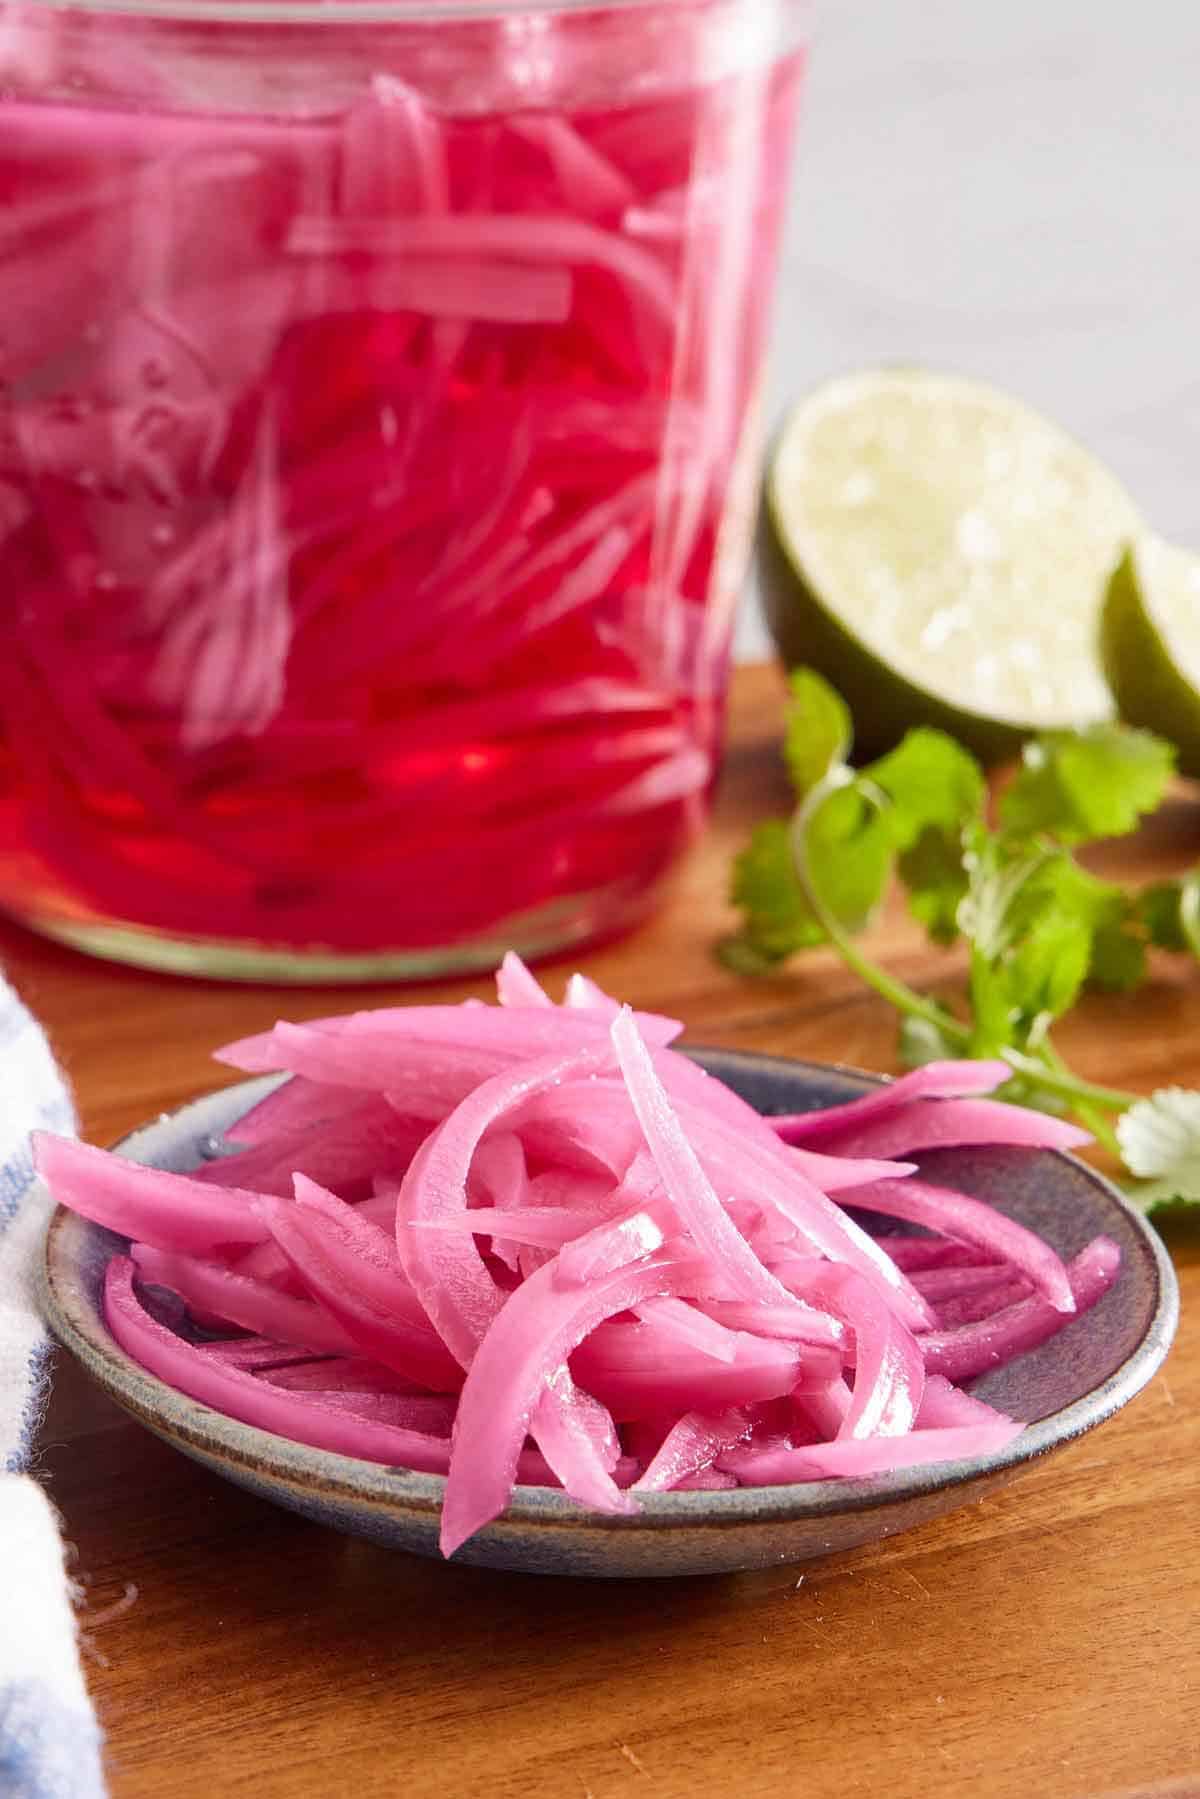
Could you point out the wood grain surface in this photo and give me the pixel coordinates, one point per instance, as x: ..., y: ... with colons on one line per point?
x: 1044, y: 1644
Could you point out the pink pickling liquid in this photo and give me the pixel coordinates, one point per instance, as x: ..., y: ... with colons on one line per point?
x: 373, y: 479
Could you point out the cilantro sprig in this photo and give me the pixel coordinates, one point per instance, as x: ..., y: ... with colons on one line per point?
x: 1038, y: 926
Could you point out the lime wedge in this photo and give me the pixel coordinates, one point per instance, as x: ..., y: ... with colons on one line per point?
x: 939, y: 552
x: 1150, y: 643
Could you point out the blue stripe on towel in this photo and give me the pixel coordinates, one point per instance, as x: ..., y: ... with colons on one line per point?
x: 47, y: 1751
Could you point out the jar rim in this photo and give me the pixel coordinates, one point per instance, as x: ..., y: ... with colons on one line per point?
x: 333, y: 13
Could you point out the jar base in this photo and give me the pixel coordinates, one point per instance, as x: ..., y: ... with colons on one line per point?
x: 554, y: 929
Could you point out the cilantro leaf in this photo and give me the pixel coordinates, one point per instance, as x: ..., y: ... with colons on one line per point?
x: 993, y: 1020
x: 933, y: 872
x: 846, y: 849
x: 1038, y: 926
x: 1030, y: 949
x: 739, y: 955
x: 935, y: 788
x: 932, y: 782
x: 1117, y: 958
x: 1159, y: 1134
x: 1045, y: 970
x: 1158, y: 909
x: 1170, y: 911
x: 819, y: 730
x: 1082, y: 785
x: 996, y: 873
x: 1160, y: 1141
x: 1118, y: 961
x: 776, y: 918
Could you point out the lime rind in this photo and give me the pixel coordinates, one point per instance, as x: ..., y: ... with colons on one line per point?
x: 1150, y: 643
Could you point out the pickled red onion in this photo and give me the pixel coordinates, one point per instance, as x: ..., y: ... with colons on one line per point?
x: 575, y: 1236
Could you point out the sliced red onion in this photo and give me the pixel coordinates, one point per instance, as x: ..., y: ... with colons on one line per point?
x: 516, y: 986
x: 834, y: 1174
x: 262, y: 1353
x: 858, y: 1459
x: 973, y: 1349
x: 295, y: 1105
x: 812, y: 1327
x: 743, y: 1169
x: 376, y: 1307
x: 690, y: 1448
x: 968, y: 1308
x: 944, y: 1405
x: 583, y: 995
x: 350, y: 1374
x: 613, y: 1245
x: 825, y: 1405
x: 889, y: 1369
x: 445, y: 1268
x: 690, y: 1325
x: 577, y: 1437
x: 534, y: 1333
x: 687, y: 1187
x: 170, y: 1211
x: 346, y: 1151
x: 377, y: 1050
x: 936, y: 1080
x: 430, y: 1413
x: 641, y: 1373
x: 915, y: 1253
x: 500, y: 1176
x: 235, y: 1298
x: 629, y: 1263
x: 542, y: 1227
x: 243, y: 1395
x: 952, y: 1124
x: 939, y: 1284
x: 973, y: 1222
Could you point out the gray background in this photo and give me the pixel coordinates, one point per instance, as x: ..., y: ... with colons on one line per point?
x: 1008, y: 189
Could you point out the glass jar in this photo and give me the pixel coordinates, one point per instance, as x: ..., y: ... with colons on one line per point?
x: 377, y: 459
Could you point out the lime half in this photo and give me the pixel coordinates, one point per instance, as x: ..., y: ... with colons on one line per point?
x: 940, y: 553
x: 1150, y: 642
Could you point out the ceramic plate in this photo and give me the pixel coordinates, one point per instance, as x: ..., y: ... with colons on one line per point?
x: 1068, y: 1386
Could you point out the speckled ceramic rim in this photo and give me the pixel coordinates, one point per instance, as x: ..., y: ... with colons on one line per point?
x: 261, y: 1452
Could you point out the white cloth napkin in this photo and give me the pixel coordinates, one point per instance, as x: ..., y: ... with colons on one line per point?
x: 49, y: 1739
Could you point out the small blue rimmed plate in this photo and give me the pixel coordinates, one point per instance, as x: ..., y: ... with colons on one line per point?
x: 1063, y: 1389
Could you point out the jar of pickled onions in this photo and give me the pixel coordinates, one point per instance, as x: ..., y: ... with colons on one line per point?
x: 377, y: 454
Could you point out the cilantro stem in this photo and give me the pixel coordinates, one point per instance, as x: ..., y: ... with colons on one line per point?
x: 1088, y: 1111
x: 1070, y: 1086
x: 898, y: 994
x: 1045, y: 1069
x: 905, y: 999
x: 1050, y: 1073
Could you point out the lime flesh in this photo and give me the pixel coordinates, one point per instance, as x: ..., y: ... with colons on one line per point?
x: 939, y: 552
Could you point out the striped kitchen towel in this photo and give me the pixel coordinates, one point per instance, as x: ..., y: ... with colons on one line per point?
x: 49, y: 1739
